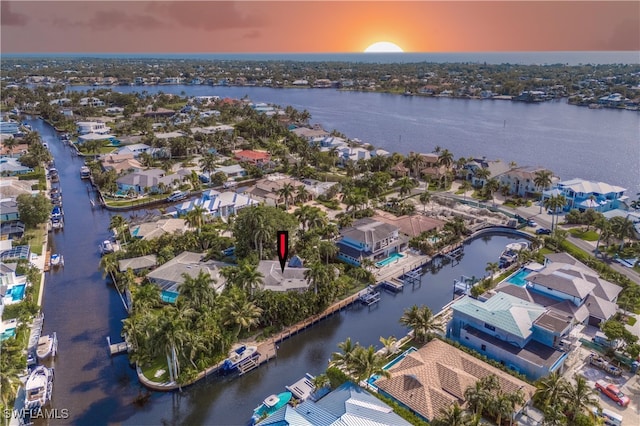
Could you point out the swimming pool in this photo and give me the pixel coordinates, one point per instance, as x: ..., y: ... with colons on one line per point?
x: 519, y: 277
x: 394, y: 256
x: 7, y: 334
x: 168, y: 296
x: 387, y: 366
x: 17, y: 292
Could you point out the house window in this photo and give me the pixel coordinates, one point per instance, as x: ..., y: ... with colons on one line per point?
x: 483, y: 347
x: 489, y: 326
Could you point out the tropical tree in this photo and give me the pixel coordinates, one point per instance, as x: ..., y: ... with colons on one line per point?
x: 406, y: 184
x: 425, y: 197
x: 208, y: 163
x: 197, y: 292
x: 445, y: 158
x: 422, y: 321
x: 542, y: 180
x: 286, y: 192
x: 390, y: 344
x: 366, y: 362
x: 345, y: 358
x: 453, y: 415
x: 622, y: 228
x: 491, y: 187
x: 10, y: 360
x: 249, y: 278
x: 240, y: 313
x: 580, y: 397
x: 554, y: 203
x: 195, y: 217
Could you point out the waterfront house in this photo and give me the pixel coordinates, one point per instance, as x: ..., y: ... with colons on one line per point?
x: 170, y: 276
x: 411, y: 225
x: 138, y: 263
x: 217, y: 204
x: 12, y: 286
x: 211, y: 130
x: 14, y: 152
x: 495, y: 167
x: 348, y: 404
x: 369, y: 239
x: 436, y: 376
x: 11, y: 187
x: 310, y: 134
x: 91, y: 102
x: 526, y: 322
x: 121, y: 163
x: 86, y: 127
x: 159, y: 113
x: 144, y: 181
x: 136, y: 149
x: 583, y: 194
x: 274, y: 279
x: 521, y: 180
x: 12, y: 167
x: 268, y: 189
x: 512, y: 331
x: 256, y: 158
x: 151, y: 230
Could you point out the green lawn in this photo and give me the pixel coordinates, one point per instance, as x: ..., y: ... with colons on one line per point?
x: 135, y: 202
x: 159, y: 363
x: 631, y: 321
x: 584, y: 235
x: 36, y: 238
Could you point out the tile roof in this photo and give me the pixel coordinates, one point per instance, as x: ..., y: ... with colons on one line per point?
x: 436, y: 376
x: 276, y: 280
x: 588, y: 187
x: 412, y: 225
x: 135, y: 263
x: 368, y: 231
x: 169, y: 275
x: 600, y: 308
x: 509, y: 313
x: 567, y: 279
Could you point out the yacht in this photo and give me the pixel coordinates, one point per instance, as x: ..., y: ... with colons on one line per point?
x: 57, y: 260
x: 56, y: 212
x: 38, y: 388
x: 47, y: 346
x: 57, y: 223
x: 510, y: 253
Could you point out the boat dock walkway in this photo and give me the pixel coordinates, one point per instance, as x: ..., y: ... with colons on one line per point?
x: 392, y: 285
x: 117, y: 348
x: 35, y: 332
x: 47, y: 261
x: 267, y: 350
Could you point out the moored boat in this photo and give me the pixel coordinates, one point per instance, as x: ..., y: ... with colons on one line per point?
x: 57, y: 260
x: 38, y: 388
x: 239, y: 355
x: 270, y: 405
x: 85, y: 172
x: 106, y: 247
x: 47, y: 346
x: 510, y: 253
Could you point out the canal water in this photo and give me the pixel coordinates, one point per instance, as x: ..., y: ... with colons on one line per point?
x: 572, y: 141
x: 84, y: 310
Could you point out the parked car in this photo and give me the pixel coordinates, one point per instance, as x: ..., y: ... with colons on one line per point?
x: 543, y: 231
x: 612, y: 391
x: 177, y: 196
x: 531, y: 222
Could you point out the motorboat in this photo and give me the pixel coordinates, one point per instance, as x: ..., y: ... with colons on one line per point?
x: 47, y: 346
x: 85, y: 172
x: 510, y: 253
x: 57, y: 260
x: 238, y: 355
x: 270, y: 405
x: 56, y: 212
x: 57, y: 223
x: 106, y: 247
x: 38, y: 388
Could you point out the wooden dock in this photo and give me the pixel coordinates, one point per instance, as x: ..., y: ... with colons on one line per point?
x: 392, y: 285
x: 47, y: 261
x: 267, y: 350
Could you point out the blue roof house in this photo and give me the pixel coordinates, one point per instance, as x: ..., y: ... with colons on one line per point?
x: 522, y: 335
x: 349, y: 404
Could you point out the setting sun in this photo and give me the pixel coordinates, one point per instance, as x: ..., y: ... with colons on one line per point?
x: 383, y: 46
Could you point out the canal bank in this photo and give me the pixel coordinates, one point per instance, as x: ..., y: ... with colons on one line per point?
x: 97, y: 389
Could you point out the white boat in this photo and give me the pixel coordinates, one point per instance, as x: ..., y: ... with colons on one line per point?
x: 510, y: 252
x: 57, y: 260
x: 57, y: 223
x: 47, y: 346
x: 85, y: 172
x: 238, y: 355
x: 38, y: 388
x: 106, y: 247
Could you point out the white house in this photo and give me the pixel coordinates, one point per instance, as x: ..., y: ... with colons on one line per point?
x: 85, y: 127
x: 92, y: 102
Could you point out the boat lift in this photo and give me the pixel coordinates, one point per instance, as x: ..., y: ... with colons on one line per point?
x: 414, y: 278
x: 369, y: 296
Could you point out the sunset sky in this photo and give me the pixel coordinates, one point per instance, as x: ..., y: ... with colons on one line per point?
x: 316, y: 26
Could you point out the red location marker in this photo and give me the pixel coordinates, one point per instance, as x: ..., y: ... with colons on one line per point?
x: 283, y: 248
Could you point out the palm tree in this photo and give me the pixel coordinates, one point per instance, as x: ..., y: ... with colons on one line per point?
x: 492, y: 268
x: 344, y: 359
x: 240, y: 313
x: 445, y: 159
x: 249, y: 278
x: 622, y: 228
x: 453, y: 415
x: 413, y: 162
x: 542, y: 180
x: 117, y: 223
x: 320, y: 381
x: 580, y: 397
x: 422, y: 321
x: 425, y: 197
x: 477, y: 397
x: 10, y: 143
x: 286, y: 192
x: 604, y: 226
x: 208, y: 163
x: 366, y: 362
x: 197, y: 292
x: 406, y: 184
x: 554, y: 203
x: 491, y: 187
x: 318, y: 275
x: 389, y: 344
x: 10, y: 371
x: 109, y: 266
x: 302, y: 194
x: 195, y: 217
